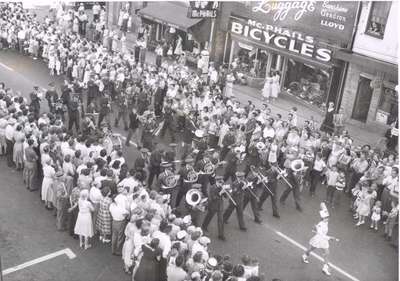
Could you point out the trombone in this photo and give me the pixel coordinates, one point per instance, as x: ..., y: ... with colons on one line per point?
x: 281, y: 174
x: 225, y: 190
x: 261, y: 178
x: 247, y: 186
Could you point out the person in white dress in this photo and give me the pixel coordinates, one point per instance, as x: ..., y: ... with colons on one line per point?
x: 321, y: 239
x: 229, y: 85
x: 275, y: 85
x: 48, y: 178
x: 266, y: 91
x: 84, y: 225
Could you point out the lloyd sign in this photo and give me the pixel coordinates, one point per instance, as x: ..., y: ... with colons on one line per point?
x: 280, y: 39
x: 330, y: 20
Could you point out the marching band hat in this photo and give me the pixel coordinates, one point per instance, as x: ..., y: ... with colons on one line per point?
x: 239, y: 174
x: 165, y: 164
x: 189, y: 160
x: 211, y: 262
x: 219, y: 178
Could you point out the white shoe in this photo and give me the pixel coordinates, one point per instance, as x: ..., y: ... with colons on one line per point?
x: 325, y: 269
x: 305, y: 258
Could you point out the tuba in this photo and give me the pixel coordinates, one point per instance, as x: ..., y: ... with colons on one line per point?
x: 194, y: 198
x: 297, y: 165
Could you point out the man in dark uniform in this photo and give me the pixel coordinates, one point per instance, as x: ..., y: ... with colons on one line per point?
x: 200, y: 144
x: 159, y: 95
x: 215, y: 206
x: 250, y: 196
x: 195, y: 211
x: 252, y: 159
x: 93, y: 92
x: 123, y: 110
x: 73, y: 114
x: 206, y: 169
x: 142, y: 161
x: 147, y: 138
x: 232, y: 160
x: 169, y: 124
x: 188, y: 133
x: 272, y: 176
x: 167, y: 179
x: 35, y: 102
x: 188, y: 177
x: 105, y: 109
x: 133, y: 127
x: 142, y: 101
x: 154, y: 165
x: 51, y: 97
x: 237, y: 195
x: 170, y: 154
x: 227, y: 142
x: 295, y: 188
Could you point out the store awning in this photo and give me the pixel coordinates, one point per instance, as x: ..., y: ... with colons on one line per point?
x: 366, y: 62
x: 169, y: 13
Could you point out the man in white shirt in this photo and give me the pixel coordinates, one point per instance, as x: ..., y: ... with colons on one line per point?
x: 118, y: 214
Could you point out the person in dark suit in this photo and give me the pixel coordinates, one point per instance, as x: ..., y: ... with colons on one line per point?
x: 237, y: 195
x: 272, y: 177
x: 215, y: 206
x: 133, y: 126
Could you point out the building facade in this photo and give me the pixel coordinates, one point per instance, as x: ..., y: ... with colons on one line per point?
x: 299, y: 40
x: 370, y: 96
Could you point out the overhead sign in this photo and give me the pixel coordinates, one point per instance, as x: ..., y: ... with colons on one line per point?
x: 203, y: 9
x: 280, y: 39
x: 330, y: 20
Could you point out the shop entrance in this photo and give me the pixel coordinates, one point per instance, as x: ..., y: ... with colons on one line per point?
x: 363, y: 100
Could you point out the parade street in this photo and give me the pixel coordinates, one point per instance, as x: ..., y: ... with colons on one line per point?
x: 27, y: 229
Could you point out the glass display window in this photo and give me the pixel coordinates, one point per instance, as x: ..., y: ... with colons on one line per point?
x: 388, y: 106
x: 307, y: 82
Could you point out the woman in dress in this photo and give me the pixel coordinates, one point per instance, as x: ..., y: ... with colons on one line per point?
x: 84, y: 226
x: 47, y: 191
x: 275, y: 85
x: 104, y: 219
x: 229, y: 85
x: 18, y: 155
x: 327, y: 125
x: 321, y: 240
x: 131, y: 229
x: 266, y: 91
x: 149, y: 266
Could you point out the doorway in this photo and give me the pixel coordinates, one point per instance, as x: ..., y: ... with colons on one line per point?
x: 363, y: 100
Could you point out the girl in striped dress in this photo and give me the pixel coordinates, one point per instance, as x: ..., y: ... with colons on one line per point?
x: 104, y: 220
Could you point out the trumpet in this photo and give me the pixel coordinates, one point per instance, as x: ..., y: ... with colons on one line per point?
x: 261, y: 178
x: 226, y: 189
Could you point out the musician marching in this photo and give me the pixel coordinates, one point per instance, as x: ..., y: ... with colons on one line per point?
x: 187, y: 177
x: 270, y: 179
x: 167, y: 179
x: 250, y: 195
x: 237, y: 195
x: 215, y: 205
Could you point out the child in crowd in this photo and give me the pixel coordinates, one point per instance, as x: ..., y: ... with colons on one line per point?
x: 332, y: 176
x: 391, y: 220
x: 364, y: 206
x: 376, y: 215
x: 340, y: 186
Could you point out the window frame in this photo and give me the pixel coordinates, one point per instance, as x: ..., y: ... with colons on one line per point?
x: 369, y: 22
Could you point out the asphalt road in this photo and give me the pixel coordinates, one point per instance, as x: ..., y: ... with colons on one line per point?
x: 27, y: 230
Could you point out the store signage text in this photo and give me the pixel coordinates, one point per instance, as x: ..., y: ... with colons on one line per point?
x: 254, y: 31
x: 331, y: 20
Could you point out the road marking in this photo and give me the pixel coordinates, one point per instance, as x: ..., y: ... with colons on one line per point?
x: 6, y: 67
x: 67, y: 251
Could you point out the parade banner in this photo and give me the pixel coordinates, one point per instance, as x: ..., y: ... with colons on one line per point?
x: 329, y: 20
x: 295, y: 43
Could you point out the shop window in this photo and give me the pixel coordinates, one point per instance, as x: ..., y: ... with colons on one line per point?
x: 307, y: 82
x: 377, y: 19
x: 250, y: 60
x: 388, y: 106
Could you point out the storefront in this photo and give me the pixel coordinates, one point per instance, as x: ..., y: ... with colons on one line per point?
x: 168, y: 22
x: 370, y: 93
x: 297, y: 40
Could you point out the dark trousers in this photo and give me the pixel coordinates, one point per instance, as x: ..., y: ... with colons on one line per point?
x: 355, y: 177
x: 296, y: 195
x: 238, y: 208
x: 117, y: 237
x: 315, y: 179
x: 72, y: 216
x: 264, y: 196
x: 183, y: 189
x: 171, y: 130
x: 124, y: 115
x: 229, y: 174
x: 73, y: 120
x: 224, y: 152
x: 254, y: 205
x: 153, y: 172
x: 9, y: 152
x: 330, y: 192
x: 211, y: 211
